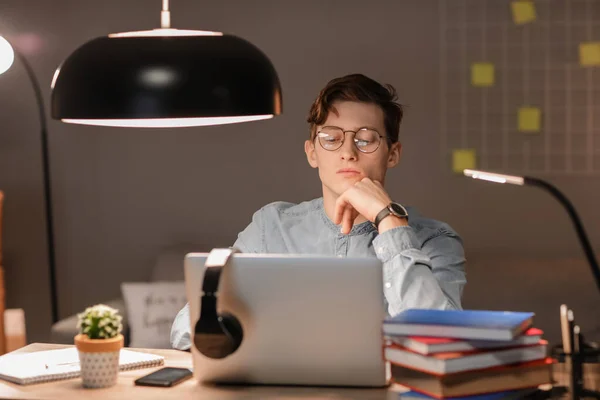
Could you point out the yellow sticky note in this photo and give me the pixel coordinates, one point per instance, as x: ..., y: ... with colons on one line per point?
x: 463, y: 159
x: 589, y: 53
x: 482, y: 74
x: 529, y: 119
x: 523, y: 12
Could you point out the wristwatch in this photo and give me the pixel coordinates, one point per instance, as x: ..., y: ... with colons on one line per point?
x: 392, y: 209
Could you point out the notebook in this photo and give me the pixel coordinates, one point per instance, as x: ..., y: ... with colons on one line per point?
x: 52, y: 365
x: 460, y: 324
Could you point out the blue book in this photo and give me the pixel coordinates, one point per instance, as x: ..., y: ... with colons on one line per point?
x: 461, y: 324
x: 508, y: 395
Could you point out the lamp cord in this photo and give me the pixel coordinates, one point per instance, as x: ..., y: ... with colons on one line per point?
x: 585, y: 243
x: 46, y: 176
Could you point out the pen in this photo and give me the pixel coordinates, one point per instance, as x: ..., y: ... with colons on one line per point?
x: 576, y: 364
x: 571, y: 320
x: 576, y: 339
x: 67, y: 363
x: 574, y: 395
x: 564, y: 328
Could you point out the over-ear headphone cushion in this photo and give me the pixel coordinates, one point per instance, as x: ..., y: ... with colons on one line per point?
x: 218, y: 336
x: 232, y: 328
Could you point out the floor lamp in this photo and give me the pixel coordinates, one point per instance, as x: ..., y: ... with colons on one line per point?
x: 7, y: 55
x: 159, y: 78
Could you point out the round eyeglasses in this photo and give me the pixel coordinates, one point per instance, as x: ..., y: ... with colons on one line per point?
x: 366, y: 140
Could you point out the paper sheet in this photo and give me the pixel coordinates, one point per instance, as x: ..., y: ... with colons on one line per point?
x: 523, y: 12
x: 529, y: 119
x: 463, y: 159
x: 589, y: 54
x: 482, y: 74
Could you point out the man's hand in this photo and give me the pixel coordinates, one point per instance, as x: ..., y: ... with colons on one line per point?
x: 367, y: 198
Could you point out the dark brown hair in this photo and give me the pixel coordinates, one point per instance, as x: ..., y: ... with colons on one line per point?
x: 359, y: 88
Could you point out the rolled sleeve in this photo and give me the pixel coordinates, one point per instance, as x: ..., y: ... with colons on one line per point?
x: 394, y: 241
x: 420, y: 274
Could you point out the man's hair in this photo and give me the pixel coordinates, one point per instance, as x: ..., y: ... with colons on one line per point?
x: 358, y: 88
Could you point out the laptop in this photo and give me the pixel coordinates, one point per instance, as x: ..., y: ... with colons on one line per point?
x: 307, y: 320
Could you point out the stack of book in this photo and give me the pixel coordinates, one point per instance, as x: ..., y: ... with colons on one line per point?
x: 466, y: 353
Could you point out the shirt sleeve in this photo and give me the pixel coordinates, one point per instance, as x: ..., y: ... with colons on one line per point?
x: 180, y: 330
x: 250, y: 240
x: 427, y: 274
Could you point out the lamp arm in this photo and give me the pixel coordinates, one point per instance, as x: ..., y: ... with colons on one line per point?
x: 583, y: 239
x: 46, y: 178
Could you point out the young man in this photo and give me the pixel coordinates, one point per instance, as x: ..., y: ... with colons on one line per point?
x: 354, y: 127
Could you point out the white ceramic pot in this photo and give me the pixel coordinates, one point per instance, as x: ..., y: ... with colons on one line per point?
x: 99, y: 360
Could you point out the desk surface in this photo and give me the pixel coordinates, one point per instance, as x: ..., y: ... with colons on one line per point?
x: 190, y: 389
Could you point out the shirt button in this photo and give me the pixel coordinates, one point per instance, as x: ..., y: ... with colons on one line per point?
x: 388, y: 285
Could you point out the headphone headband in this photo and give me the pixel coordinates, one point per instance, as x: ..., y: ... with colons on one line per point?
x: 216, y: 335
x: 216, y: 260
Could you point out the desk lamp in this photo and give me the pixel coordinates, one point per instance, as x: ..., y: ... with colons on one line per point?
x: 574, y: 348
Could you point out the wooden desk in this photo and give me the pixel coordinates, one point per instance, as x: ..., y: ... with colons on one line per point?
x: 190, y: 389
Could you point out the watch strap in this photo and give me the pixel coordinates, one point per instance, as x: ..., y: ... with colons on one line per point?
x: 380, y: 216
x: 388, y: 210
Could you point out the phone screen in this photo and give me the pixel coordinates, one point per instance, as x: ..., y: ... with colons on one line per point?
x: 167, y: 376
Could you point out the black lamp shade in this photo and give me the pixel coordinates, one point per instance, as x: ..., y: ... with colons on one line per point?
x: 163, y: 78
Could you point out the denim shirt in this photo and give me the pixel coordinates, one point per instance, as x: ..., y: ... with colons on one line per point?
x: 423, y: 263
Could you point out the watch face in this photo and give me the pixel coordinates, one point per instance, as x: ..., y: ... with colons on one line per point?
x: 398, y: 210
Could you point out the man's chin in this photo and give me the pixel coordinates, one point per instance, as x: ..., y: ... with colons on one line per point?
x: 339, y: 186
x: 345, y: 185
x: 351, y: 180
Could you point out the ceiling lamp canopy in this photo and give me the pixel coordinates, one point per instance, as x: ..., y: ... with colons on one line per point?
x: 166, y: 78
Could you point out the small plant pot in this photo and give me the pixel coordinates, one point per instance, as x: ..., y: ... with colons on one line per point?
x: 99, y: 360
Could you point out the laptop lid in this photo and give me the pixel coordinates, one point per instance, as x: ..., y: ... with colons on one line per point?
x: 307, y: 320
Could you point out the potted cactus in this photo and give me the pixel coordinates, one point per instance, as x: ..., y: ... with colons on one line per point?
x: 99, y: 344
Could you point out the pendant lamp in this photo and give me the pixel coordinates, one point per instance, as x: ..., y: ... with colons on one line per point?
x: 165, y: 78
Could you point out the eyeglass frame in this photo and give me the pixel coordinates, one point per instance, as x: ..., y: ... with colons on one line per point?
x: 387, y: 139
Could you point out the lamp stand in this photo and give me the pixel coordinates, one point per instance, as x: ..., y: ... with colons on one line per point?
x: 46, y: 180
x: 578, y: 350
x: 575, y: 350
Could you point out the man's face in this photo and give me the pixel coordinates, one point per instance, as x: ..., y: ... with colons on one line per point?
x: 340, y: 169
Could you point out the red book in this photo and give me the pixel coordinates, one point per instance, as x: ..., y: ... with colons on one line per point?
x: 445, y: 363
x: 430, y: 345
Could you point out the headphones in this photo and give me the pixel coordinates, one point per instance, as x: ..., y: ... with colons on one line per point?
x: 216, y: 335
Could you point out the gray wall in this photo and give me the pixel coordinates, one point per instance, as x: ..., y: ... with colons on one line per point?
x: 120, y: 196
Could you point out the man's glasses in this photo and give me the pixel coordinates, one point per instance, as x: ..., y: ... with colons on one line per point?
x: 332, y: 138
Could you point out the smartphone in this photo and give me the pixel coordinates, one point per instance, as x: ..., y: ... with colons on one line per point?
x: 164, y: 377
